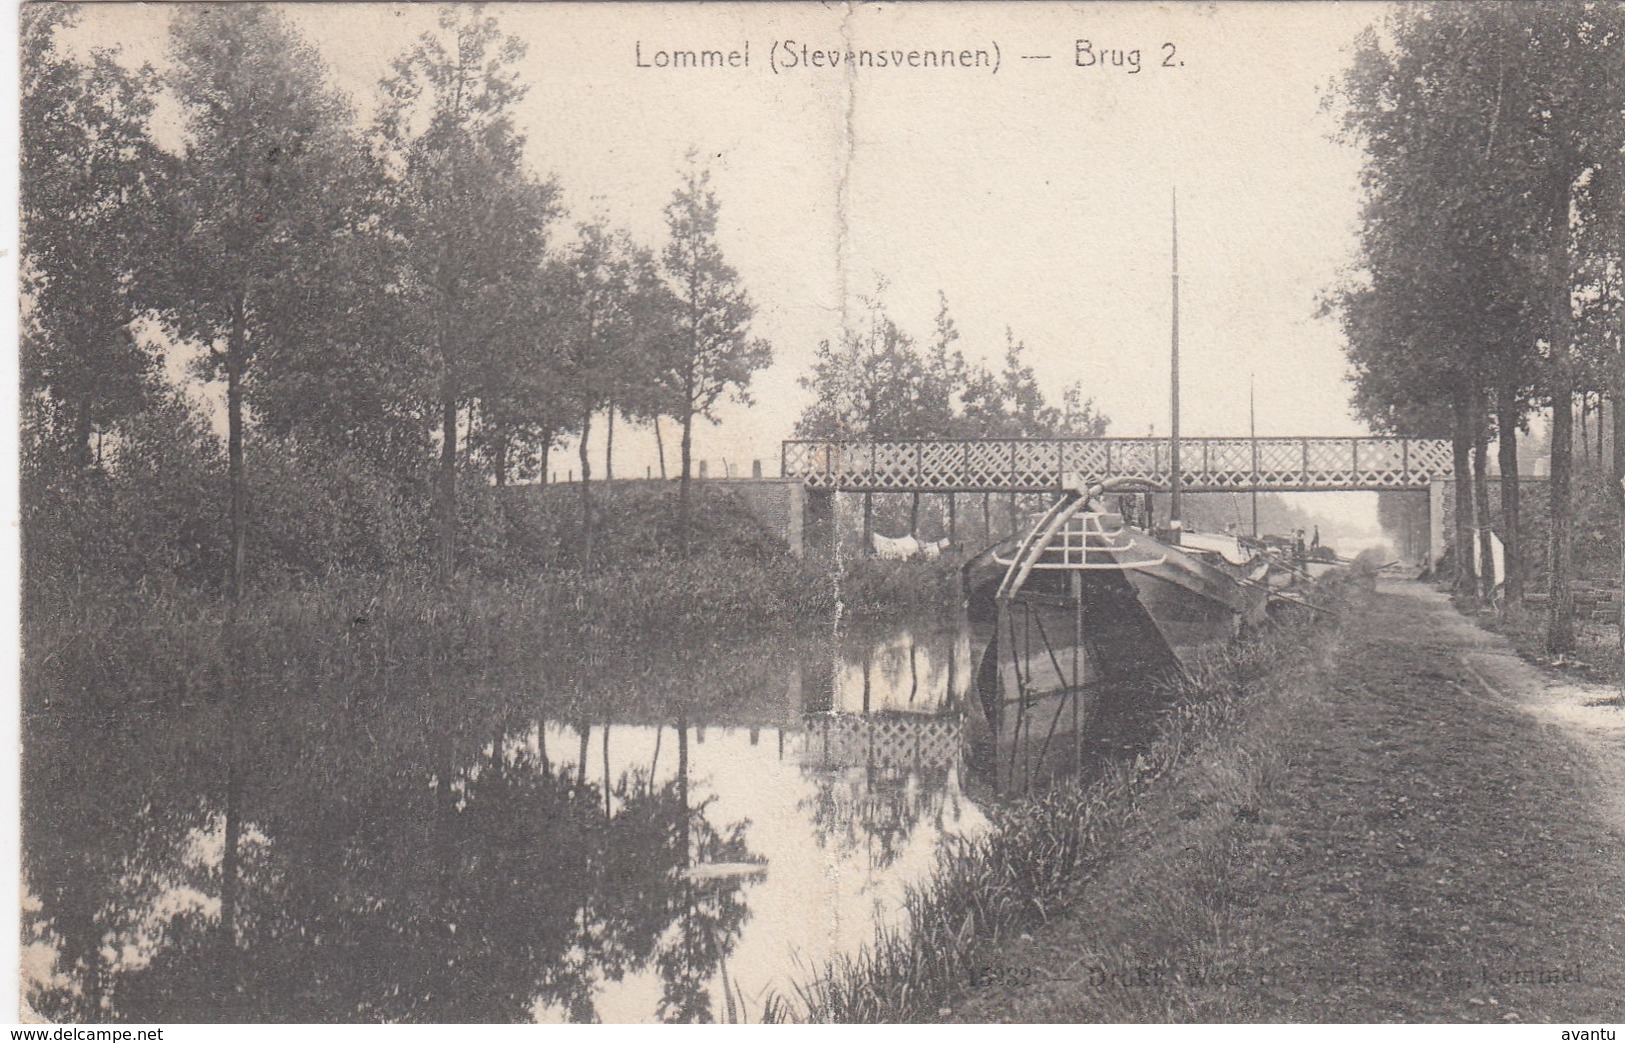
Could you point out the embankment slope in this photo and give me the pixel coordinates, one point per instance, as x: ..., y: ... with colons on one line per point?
x: 1413, y: 825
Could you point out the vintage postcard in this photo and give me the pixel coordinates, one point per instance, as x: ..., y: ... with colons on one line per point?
x: 790, y: 512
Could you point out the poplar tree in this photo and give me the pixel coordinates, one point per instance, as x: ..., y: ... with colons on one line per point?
x: 598, y: 327
x: 91, y: 178
x: 471, y: 217
x: 713, y: 350
x: 263, y: 192
x: 1486, y: 130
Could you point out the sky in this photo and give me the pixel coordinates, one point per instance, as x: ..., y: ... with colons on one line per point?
x: 1036, y: 196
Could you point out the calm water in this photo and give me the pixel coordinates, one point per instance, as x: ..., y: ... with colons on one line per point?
x: 644, y: 835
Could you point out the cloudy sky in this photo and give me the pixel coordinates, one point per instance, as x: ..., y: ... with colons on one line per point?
x: 1035, y: 196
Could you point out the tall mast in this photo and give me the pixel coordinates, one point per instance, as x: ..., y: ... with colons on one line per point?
x: 1175, y: 479
x: 1252, y: 433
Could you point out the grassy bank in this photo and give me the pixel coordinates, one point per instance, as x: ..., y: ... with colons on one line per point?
x: 1595, y: 569
x: 1394, y: 832
x: 1042, y: 854
x: 1596, y: 656
x: 341, y: 589
x: 163, y: 642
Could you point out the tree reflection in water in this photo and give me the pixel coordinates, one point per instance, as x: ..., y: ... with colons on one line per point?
x: 99, y: 825
x: 483, y: 893
x: 429, y: 851
x: 876, y: 779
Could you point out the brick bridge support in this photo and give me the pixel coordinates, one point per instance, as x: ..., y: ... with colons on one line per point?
x: 1441, y: 496
x: 818, y: 531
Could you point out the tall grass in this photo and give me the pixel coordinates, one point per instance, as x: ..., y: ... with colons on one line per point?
x: 1596, y: 653
x: 1028, y: 869
x: 870, y: 587
x: 155, y: 641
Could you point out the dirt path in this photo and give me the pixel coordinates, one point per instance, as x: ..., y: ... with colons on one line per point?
x: 1416, y: 827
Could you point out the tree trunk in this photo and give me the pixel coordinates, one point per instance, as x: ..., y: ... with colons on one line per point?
x: 609, y: 443
x: 1560, y: 558
x: 682, y: 787
x: 868, y: 524
x: 1618, y: 469
x: 1604, y: 408
x: 914, y: 514
x: 868, y: 679
x: 1461, y: 444
x: 1597, y: 410
x: 547, y: 453
x: 499, y: 457
x: 1596, y: 424
x: 83, y: 435
x: 660, y: 448
x: 1618, y: 395
x: 1560, y: 555
x: 447, y: 551
x: 235, y: 348
x: 1585, y: 438
x: 686, y: 458
x: 586, y: 489
x: 1506, y: 422
x: 1481, y: 510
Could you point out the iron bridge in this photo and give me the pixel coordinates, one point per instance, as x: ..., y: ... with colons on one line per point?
x: 1037, y: 464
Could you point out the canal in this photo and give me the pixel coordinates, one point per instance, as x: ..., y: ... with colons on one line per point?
x: 634, y: 835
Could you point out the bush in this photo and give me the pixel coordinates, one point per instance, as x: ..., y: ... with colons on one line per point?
x: 313, y: 509
x: 154, y: 513
x: 539, y: 526
x: 1596, y: 526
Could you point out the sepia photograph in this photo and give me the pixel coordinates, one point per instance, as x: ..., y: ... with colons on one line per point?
x: 765, y: 513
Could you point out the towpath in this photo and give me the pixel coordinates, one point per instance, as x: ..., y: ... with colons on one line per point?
x: 1415, y: 826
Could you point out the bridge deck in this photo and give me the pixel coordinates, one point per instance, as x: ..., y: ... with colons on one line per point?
x: 1036, y: 465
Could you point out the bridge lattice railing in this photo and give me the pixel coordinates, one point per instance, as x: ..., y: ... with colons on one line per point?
x: 1035, y: 465
x: 904, y: 741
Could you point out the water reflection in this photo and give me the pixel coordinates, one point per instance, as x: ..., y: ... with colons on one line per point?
x: 496, y: 853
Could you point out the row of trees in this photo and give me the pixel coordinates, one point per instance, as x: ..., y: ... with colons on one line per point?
x: 397, y: 292
x: 1491, y: 275
x: 878, y: 381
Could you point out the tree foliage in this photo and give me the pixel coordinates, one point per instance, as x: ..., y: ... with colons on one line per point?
x: 470, y: 216
x: 90, y: 186
x: 609, y: 284
x: 712, y: 350
x: 388, y: 300
x: 1493, y: 138
x: 252, y: 264
x: 875, y: 382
